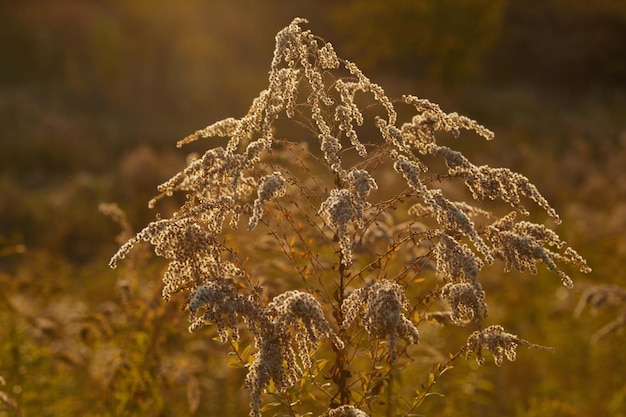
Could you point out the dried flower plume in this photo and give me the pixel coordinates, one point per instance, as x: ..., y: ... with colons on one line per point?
x: 382, y: 316
x: 498, y: 342
x: 321, y: 210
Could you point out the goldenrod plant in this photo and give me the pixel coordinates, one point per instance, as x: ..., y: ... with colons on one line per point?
x: 326, y: 231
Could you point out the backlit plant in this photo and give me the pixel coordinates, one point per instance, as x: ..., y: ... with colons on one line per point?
x: 324, y: 230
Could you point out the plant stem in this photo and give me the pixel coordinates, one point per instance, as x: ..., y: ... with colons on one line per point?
x: 340, y: 372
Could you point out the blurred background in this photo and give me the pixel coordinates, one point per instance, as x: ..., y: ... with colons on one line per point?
x: 94, y: 95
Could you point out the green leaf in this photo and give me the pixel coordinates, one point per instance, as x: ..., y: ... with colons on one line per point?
x: 431, y: 378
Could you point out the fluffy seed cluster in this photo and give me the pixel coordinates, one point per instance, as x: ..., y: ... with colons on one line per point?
x: 382, y: 316
x: 291, y: 327
x: 490, y: 183
x: 467, y: 301
x: 340, y: 213
x: 455, y: 260
x: 193, y: 250
x: 303, y: 313
x: 286, y: 332
x: 270, y: 186
x: 451, y: 218
x: 344, y: 206
x: 431, y: 118
x: 523, y: 244
x: 501, y: 344
x: 222, y: 306
x: 460, y: 266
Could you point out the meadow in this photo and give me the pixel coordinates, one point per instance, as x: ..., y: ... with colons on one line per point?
x: 92, y: 105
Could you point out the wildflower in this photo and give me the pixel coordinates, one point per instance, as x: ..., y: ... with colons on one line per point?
x: 432, y: 118
x: 455, y: 260
x: 331, y: 147
x: 269, y: 186
x: 239, y: 178
x: 345, y: 206
x: 286, y: 82
x: 361, y: 184
x: 467, y: 301
x: 292, y: 307
x: 490, y: 183
x: 327, y: 57
x: 379, y: 94
x: 223, y: 128
x: 340, y: 213
x: 454, y: 220
x: 292, y: 325
x: 221, y: 305
x: 498, y: 342
x: 274, y: 361
x: 410, y: 170
x: 521, y: 246
x: 382, y: 317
